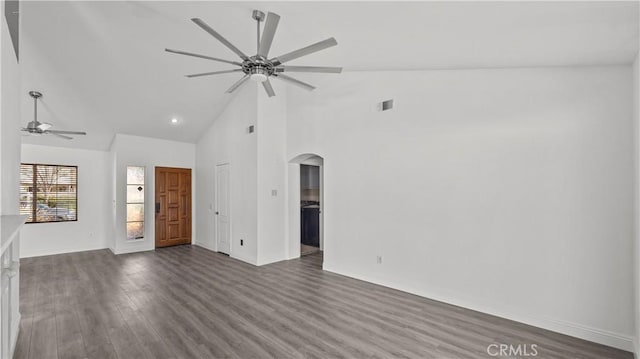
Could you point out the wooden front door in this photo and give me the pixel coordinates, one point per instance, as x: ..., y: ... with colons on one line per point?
x: 173, y: 206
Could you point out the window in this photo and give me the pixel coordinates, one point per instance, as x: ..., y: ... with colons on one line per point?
x: 48, y: 193
x: 135, y: 202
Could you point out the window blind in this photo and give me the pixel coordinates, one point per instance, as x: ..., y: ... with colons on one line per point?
x: 48, y: 193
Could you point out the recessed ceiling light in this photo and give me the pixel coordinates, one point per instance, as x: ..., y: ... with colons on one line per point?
x: 174, y: 121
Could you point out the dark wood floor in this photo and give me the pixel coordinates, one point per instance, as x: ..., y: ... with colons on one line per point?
x: 187, y: 302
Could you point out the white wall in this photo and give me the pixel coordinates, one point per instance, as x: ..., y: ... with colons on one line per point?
x: 228, y: 141
x: 130, y: 150
x: 508, y: 191
x: 94, y: 226
x: 10, y: 118
x: 272, y: 174
x: 11, y: 93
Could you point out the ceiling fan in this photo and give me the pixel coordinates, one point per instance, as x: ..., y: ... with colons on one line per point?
x: 37, y: 128
x: 260, y: 67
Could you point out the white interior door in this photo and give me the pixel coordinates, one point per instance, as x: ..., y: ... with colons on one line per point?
x: 223, y: 213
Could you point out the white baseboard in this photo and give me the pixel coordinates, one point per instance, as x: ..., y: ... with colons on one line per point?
x: 133, y: 249
x: 205, y: 246
x: 246, y: 260
x: 271, y: 261
x: 50, y: 253
x: 595, y: 335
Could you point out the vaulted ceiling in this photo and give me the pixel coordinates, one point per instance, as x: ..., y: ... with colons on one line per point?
x: 103, y: 69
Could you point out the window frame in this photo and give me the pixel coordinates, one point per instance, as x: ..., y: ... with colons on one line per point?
x: 143, y: 203
x: 34, y: 191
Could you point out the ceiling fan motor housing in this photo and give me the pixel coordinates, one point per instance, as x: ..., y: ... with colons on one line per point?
x: 258, y: 68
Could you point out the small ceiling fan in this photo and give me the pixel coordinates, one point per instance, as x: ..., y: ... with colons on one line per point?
x: 260, y: 67
x: 37, y: 128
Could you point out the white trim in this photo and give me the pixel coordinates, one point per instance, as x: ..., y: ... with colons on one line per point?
x: 205, y: 246
x: 133, y: 249
x: 595, y: 335
x: 243, y: 259
x: 271, y: 262
x: 292, y: 203
x: 75, y: 250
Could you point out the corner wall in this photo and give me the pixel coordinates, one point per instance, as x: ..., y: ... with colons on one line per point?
x: 272, y: 174
x: 228, y: 141
x: 508, y: 191
x: 93, y: 229
x: 11, y: 93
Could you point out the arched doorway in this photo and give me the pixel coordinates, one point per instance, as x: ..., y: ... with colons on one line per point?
x: 305, y: 205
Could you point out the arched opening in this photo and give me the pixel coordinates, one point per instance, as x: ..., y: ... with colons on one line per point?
x: 305, y: 205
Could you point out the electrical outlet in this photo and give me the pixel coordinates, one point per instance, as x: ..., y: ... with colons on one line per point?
x: 274, y: 192
x: 379, y: 259
x: 242, y: 242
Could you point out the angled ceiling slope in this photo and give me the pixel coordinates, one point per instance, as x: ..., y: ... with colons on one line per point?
x: 104, y: 69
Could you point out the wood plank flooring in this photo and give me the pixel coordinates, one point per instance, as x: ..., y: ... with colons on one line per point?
x: 188, y: 302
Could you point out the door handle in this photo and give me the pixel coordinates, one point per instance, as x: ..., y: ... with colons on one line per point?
x: 157, y: 207
x: 217, y: 213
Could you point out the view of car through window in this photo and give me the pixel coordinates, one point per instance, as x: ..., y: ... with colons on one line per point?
x: 48, y: 193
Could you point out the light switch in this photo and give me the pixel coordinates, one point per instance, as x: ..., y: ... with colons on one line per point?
x: 274, y: 192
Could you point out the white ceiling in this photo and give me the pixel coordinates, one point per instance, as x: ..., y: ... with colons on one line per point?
x: 102, y: 68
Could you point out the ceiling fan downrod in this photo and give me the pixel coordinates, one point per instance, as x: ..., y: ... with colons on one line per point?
x: 36, y: 95
x: 258, y: 16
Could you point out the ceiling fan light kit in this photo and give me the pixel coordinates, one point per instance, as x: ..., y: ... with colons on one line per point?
x: 260, y: 67
x: 36, y: 128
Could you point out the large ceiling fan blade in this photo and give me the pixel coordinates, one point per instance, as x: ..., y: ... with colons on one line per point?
x: 304, y: 85
x: 304, y: 51
x: 238, y: 84
x: 59, y: 135
x: 270, y: 26
x: 202, y: 56
x: 326, y: 70
x: 56, y: 132
x: 214, y: 73
x: 268, y: 88
x: 220, y: 38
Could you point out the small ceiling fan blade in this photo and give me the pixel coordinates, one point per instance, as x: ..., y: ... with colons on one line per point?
x: 304, y: 51
x: 56, y: 132
x: 202, y: 56
x: 220, y: 38
x: 213, y: 73
x: 326, y: 70
x: 270, y: 26
x: 304, y: 85
x: 268, y: 88
x: 59, y: 135
x: 238, y: 84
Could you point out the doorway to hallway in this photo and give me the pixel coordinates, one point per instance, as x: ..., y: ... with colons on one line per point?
x: 309, y: 209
